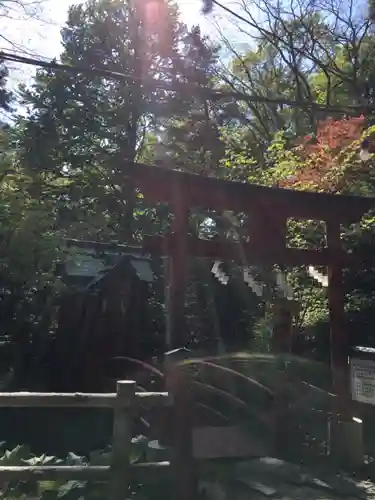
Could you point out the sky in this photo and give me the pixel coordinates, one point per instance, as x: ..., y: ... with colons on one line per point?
x: 39, y: 35
x: 43, y: 36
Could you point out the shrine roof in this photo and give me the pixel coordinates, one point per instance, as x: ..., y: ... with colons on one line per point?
x: 93, y: 260
x: 159, y: 184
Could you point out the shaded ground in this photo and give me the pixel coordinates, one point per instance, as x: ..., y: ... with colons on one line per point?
x: 263, y: 478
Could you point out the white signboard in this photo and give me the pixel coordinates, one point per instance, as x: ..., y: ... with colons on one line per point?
x: 362, y: 374
x: 84, y: 265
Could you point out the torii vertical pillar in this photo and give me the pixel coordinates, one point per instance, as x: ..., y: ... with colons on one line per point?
x: 346, y: 438
x: 177, y: 381
x: 339, y: 340
x: 176, y: 278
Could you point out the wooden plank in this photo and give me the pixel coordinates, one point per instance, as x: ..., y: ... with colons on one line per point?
x: 150, y: 472
x: 227, y: 442
x: 59, y: 472
x: 157, y: 184
x: 59, y: 400
x: 151, y: 399
x: 254, y: 254
x: 122, y: 435
x: 76, y: 400
x: 143, y: 471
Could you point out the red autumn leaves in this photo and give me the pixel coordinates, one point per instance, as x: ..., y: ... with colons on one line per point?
x: 323, y: 155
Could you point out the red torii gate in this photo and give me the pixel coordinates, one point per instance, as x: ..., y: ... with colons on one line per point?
x: 269, y: 210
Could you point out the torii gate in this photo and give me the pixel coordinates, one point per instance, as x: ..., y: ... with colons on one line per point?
x: 269, y: 210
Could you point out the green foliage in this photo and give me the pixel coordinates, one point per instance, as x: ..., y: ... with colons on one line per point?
x: 21, y: 456
x: 191, y: 140
x: 330, y: 163
x: 30, y: 250
x: 70, y: 490
x: 262, y: 335
x: 30, y: 244
x: 5, y: 95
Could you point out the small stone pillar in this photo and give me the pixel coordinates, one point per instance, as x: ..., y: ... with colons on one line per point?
x: 346, y: 443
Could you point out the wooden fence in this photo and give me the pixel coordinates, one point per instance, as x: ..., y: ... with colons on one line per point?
x: 188, y: 443
x: 120, y: 472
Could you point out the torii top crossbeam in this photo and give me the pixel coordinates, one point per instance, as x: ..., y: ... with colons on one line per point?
x: 269, y: 210
x: 160, y: 184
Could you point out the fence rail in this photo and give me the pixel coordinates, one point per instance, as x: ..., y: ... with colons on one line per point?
x: 120, y: 472
x: 149, y: 471
x: 76, y: 400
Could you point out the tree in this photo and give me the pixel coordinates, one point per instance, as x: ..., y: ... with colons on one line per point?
x: 308, y: 35
x: 191, y: 139
x: 13, y: 12
x: 304, y: 52
x: 30, y: 249
x: 90, y: 126
x: 5, y: 96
